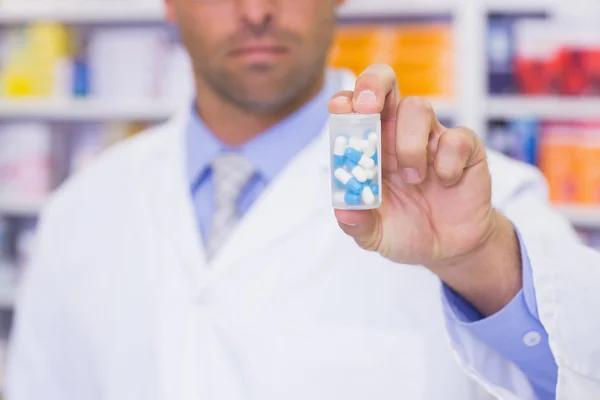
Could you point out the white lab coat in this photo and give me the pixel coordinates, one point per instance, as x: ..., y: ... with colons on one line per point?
x: 121, y: 304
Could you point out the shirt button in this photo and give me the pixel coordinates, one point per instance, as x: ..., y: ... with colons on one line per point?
x: 532, y: 338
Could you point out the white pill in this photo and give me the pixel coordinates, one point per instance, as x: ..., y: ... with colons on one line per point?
x: 340, y: 145
x: 343, y: 175
x: 366, y: 162
x: 367, y: 196
x: 359, y: 173
x: 356, y: 143
x: 371, y: 173
x: 338, y: 198
x: 372, y: 138
x: 370, y: 150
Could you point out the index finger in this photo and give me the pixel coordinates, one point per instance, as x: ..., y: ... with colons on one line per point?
x: 377, y: 92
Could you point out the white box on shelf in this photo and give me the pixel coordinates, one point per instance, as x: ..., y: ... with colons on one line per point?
x: 25, y: 160
x: 127, y: 63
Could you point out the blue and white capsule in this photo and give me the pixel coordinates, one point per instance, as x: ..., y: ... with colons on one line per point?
x: 339, y: 148
x: 339, y: 198
x: 371, y: 173
x: 370, y: 144
x: 352, y: 199
x: 370, y: 150
x: 357, y: 171
x: 375, y: 189
x: 367, y: 195
x: 348, y: 180
x: 356, y: 144
x: 359, y: 157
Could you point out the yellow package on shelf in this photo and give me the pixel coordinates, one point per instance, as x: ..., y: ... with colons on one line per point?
x: 34, y: 61
x: 420, y: 54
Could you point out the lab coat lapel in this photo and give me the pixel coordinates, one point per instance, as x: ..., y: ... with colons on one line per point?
x: 298, y: 193
x: 172, y: 201
x: 301, y: 191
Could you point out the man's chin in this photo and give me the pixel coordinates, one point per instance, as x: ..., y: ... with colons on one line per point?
x: 265, y: 105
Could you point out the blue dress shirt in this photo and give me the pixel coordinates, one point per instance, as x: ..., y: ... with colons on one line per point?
x: 515, y: 332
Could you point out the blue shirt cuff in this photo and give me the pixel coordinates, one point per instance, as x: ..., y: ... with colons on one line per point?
x: 515, y: 332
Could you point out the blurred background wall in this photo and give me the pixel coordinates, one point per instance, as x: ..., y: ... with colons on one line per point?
x: 77, y: 76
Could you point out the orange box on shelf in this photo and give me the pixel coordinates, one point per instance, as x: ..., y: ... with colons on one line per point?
x: 557, y: 151
x: 420, y: 54
x: 587, y: 164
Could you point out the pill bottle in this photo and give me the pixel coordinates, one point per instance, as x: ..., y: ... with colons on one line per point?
x: 355, y: 147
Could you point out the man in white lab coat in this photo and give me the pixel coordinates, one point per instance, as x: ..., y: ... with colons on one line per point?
x: 203, y: 260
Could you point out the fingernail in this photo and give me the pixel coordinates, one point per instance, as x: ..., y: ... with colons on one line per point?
x: 366, y: 97
x: 345, y: 223
x: 411, y: 175
x: 342, y: 100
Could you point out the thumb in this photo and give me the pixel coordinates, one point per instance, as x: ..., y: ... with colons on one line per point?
x: 363, y: 226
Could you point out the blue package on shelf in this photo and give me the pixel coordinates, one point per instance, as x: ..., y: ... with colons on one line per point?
x: 81, y: 81
x: 517, y: 139
x: 526, y: 132
x: 500, y: 55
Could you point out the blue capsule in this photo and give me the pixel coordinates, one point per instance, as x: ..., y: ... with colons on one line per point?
x: 359, y: 158
x: 375, y: 189
x: 352, y: 199
x: 338, y: 184
x: 339, y: 148
x: 353, y: 154
x: 375, y: 158
x: 348, y: 180
x: 338, y: 161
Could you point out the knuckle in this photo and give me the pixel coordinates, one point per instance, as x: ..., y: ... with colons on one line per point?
x: 458, y: 139
x: 417, y: 104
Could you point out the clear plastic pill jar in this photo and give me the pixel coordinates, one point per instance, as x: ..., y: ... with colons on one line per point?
x: 355, y: 148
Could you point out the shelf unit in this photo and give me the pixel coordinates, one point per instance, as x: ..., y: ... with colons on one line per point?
x: 403, y: 8
x: 544, y: 107
x: 473, y: 107
x: 582, y: 216
x: 7, y: 296
x: 111, y: 11
x: 520, y: 6
x: 21, y: 208
x: 86, y: 110
x: 81, y: 12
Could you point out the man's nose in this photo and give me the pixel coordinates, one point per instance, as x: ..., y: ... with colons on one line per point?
x: 256, y: 14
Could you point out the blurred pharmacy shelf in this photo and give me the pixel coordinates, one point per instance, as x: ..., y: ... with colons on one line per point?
x: 89, y: 110
x: 81, y: 11
x: 86, y: 110
x: 519, y: 6
x: 393, y: 8
x: 444, y: 108
x: 582, y: 216
x: 549, y: 108
x: 20, y: 208
x: 7, y: 296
